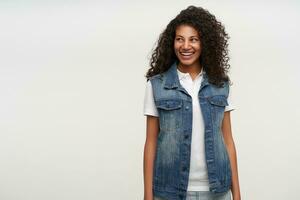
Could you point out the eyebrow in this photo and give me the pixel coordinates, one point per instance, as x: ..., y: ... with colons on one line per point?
x: 190, y: 36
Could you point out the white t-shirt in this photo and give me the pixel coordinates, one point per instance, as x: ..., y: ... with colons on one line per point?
x: 198, y: 177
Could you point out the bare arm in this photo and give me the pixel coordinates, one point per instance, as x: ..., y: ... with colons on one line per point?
x: 152, y: 130
x: 228, y: 139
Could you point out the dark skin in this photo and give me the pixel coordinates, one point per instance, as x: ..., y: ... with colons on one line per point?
x: 152, y: 131
x: 187, y: 41
x: 229, y: 143
x: 150, y: 148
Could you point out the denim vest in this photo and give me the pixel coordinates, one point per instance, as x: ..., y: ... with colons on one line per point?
x: 172, y: 160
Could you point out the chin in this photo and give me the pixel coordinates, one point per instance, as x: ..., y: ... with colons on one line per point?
x: 187, y: 62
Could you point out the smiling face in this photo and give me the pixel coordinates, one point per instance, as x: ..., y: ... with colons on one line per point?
x: 187, y: 45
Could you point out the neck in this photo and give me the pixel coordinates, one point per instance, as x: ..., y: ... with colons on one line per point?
x: 191, y: 69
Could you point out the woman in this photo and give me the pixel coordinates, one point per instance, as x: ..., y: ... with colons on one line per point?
x: 189, y: 151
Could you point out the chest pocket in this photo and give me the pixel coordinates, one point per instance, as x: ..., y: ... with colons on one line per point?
x: 218, y: 104
x: 218, y: 100
x: 169, y: 114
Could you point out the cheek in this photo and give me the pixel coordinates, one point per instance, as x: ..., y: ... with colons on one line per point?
x: 176, y: 51
x: 176, y: 46
x: 198, y: 49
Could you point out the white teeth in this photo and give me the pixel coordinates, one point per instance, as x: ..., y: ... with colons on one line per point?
x: 186, y: 54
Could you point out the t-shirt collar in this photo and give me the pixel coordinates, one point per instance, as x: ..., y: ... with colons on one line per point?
x: 182, y: 75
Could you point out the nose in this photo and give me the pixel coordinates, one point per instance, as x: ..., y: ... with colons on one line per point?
x: 186, y: 45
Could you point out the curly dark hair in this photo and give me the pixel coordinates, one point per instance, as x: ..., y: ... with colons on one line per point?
x: 214, y: 42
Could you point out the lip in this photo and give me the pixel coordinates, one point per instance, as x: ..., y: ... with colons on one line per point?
x: 186, y: 57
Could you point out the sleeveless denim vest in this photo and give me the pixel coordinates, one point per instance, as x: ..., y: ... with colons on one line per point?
x: 172, y: 160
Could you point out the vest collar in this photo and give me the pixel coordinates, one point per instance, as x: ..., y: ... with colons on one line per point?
x: 172, y: 79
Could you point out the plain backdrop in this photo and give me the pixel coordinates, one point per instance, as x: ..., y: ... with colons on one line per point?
x: 72, y: 83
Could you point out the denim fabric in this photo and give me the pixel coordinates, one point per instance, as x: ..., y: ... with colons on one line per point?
x: 172, y: 160
x: 204, y: 195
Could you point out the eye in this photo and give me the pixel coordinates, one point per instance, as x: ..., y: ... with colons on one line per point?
x: 194, y: 39
x: 178, y: 39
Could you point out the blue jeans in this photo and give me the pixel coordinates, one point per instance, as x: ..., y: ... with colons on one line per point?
x: 204, y: 195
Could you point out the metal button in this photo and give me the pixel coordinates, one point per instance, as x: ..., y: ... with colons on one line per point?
x: 187, y: 107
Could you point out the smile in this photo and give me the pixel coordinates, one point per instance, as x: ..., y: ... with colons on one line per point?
x: 186, y: 55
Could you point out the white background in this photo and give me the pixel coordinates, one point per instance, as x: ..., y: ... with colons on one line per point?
x: 72, y: 87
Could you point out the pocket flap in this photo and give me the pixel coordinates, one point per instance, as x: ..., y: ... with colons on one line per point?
x: 219, y: 100
x: 169, y: 104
